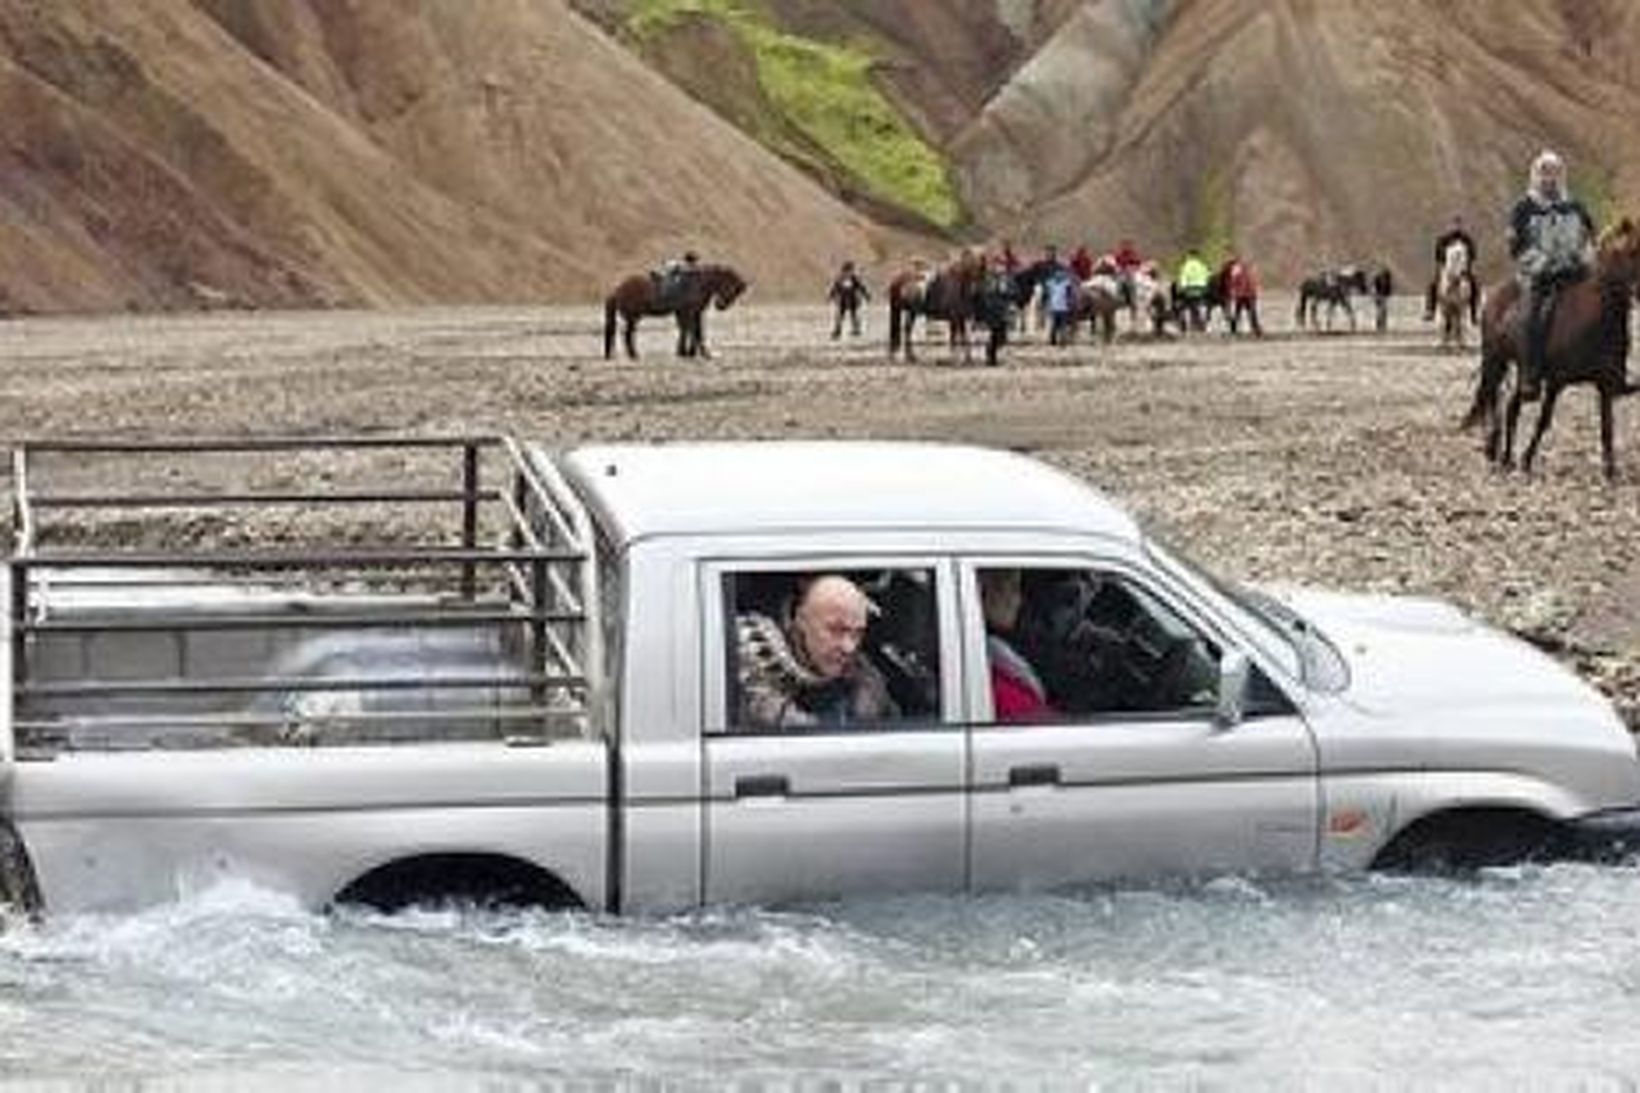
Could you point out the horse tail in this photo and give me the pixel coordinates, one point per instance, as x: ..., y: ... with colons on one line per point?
x: 609, y: 327
x: 1494, y: 367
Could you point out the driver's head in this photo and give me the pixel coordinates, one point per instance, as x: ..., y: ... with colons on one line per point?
x: 830, y: 621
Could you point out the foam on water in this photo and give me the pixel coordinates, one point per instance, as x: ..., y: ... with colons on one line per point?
x: 1363, y: 981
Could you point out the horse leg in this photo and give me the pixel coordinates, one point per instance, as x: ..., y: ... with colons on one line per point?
x: 629, y: 337
x: 1545, y: 413
x: 609, y: 328
x: 1608, y: 461
x: 1511, y: 421
x: 697, y: 334
x: 910, y: 320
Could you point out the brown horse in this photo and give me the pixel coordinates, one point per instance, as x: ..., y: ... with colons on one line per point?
x: 1588, y: 342
x: 949, y: 293
x: 642, y: 294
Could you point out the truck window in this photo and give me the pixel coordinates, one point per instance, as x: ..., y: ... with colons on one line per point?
x: 1065, y: 643
x: 812, y: 650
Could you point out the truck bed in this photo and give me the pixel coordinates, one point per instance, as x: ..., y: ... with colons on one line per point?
x: 319, y: 592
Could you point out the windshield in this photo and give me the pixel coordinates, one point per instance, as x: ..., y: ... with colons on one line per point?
x: 1278, y: 630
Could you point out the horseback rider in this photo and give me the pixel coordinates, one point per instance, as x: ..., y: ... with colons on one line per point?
x: 1551, y: 237
x: 675, y: 273
x: 1455, y: 235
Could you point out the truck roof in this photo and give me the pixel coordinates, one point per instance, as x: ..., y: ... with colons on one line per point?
x: 640, y: 490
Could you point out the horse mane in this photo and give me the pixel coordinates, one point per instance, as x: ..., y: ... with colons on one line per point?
x: 1617, y: 252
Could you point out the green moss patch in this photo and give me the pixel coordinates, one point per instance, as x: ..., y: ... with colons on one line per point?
x: 1212, y: 232
x: 824, y: 92
x: 1592, y: 184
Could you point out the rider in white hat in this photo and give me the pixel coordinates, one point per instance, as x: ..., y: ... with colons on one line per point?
x: 1551, y: 237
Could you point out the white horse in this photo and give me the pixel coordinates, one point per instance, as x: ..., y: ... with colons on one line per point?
x: 1151, y: 304
x: 1452, y: 289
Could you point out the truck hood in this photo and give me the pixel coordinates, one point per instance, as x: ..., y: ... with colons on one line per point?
x: 1412, y: 654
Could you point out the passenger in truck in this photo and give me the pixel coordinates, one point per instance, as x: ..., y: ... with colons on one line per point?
x: 1017, y: 692
x: 810, y: 669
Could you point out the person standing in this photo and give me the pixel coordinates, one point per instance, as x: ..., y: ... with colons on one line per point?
x: 1082, y: 263
x: 1193, y: 278
x: 1059, y: 295
x: 848, y: 291
x: 1241, y: 295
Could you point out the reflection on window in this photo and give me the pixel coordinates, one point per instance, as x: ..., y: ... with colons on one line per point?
x: 834, y: 649
x: 1063, y: 643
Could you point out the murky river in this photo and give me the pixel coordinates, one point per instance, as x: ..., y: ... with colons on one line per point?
x: 1518, y: 978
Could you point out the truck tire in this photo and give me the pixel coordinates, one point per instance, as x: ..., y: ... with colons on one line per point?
x: 1470, y: 839
x: 480, y: 880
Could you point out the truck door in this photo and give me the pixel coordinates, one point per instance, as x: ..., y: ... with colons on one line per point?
x: 1095, y: 750
x: 856, y: 785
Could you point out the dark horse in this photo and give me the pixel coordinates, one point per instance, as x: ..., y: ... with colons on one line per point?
x: 948, y: 293
x: 1588, y: 342
x: 1333, y: 288
x: 643, y: 294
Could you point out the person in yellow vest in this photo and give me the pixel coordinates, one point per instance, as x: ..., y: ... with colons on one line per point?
x: 1192, y: 285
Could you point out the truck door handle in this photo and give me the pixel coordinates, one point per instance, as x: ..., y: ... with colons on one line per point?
x: 763, y: 785
x: 1042, y: 774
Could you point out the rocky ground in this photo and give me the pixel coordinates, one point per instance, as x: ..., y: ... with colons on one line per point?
x: 1322, y: 459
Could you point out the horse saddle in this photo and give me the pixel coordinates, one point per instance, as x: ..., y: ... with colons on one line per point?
x: 669, y: 285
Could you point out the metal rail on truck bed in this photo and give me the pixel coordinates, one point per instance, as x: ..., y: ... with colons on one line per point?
x: 283, y: 591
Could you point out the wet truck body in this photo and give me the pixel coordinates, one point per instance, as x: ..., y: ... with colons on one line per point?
x: 398, y: 670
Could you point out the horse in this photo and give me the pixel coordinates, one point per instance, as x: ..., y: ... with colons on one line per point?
x: 946, y: 294
x: 1588, y: 342
x: 1097, y: 302
x: 1453, y: 287
x: 1152, y: 301
x: 1218, y: 295
x: 1333, y: 288
x: 643, y: 294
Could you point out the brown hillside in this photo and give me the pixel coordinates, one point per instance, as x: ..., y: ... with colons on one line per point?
x: 1306, y: 132
x: 301, y: 151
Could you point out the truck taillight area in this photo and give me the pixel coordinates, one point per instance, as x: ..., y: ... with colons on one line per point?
x: 296, y: 592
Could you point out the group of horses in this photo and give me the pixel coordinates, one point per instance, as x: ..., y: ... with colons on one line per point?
x: 968, y: 292
x: 1587, y: 342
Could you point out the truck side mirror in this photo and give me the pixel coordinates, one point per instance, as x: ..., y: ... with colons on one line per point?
x: 1234, y: 668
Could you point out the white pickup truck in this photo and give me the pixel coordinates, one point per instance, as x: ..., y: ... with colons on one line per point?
x: 387, y: 671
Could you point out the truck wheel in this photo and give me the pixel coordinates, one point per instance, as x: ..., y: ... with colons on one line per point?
x: 1462, y: 841
x: 478, y: 880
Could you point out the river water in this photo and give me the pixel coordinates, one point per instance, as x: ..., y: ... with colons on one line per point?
x: 1517, y: 978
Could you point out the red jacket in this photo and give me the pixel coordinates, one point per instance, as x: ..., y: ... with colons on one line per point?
x: 1016, y: 693
x: 1082, y: 264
